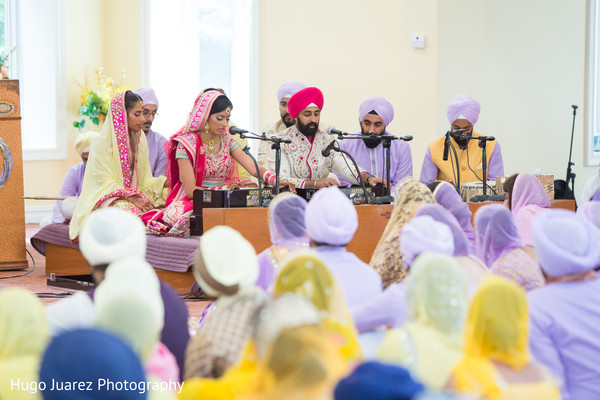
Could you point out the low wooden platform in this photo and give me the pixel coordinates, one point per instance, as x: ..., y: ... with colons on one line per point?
x: 67, y: 261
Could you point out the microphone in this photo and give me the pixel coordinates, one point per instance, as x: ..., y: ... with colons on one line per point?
x: 455, y: 132
x: 332, y: 131
x: 280, y: 140
x: 445, y: 157
x: 236, y: 131
x: 574, y: 109
x: 482, y: 138
x: 327, y: 150
x: 406, y: 138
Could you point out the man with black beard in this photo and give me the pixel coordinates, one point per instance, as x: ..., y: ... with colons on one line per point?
x: 375, y: 114
x: 463, y: 113
x: 302, y: 161
x: 284, y: 92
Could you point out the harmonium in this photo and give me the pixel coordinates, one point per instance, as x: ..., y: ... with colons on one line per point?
x: 205, y: 198
x: 355, y: 193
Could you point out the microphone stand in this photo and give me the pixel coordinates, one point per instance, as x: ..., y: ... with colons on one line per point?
x: 449, y: 143
x: 336, y: 147
x: 260, y: 195
x: 570, y: 174
x: 483, y: 143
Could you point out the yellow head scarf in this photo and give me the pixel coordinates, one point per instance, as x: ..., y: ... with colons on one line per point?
x: 307, y: 275
x: 23, y: 338
x: 496, y: 329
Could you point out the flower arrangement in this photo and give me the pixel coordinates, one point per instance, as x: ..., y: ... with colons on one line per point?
x: 95, y: 102
x: 4, y: 62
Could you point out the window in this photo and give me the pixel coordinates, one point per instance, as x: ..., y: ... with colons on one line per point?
x: 593, y: 86
x: 34, y: 32
x: 191, y: 45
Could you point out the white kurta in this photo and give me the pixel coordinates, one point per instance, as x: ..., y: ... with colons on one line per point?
x: 302, y: 160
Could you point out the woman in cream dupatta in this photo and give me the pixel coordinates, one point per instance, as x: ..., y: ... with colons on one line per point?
x: 118, y: 172
x: 387, y: 257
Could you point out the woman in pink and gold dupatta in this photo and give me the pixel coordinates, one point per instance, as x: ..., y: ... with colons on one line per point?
x: 201, y: 155
x: 118, y: 172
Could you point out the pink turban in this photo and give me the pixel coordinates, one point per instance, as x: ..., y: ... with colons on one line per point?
x: 381, y: 106
x: 331, y: 217
x: 565, y: 243
x: 148, y: 96
x: 303, y: 99
x: 463, y: 106
x: 288, y: 89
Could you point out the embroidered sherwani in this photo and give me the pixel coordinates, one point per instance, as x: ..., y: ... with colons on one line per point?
x: 302, y: 160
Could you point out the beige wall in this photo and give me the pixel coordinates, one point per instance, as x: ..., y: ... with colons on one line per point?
x: 524, y: 61
x: 352, y: 50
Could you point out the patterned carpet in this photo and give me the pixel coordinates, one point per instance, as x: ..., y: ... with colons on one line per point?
x: 34, y: 279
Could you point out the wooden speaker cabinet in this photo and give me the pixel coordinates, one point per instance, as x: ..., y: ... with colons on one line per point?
x: 12, y: 206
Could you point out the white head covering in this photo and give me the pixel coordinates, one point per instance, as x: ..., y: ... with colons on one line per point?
x: 423, y: 234
x: 83, y: 141
x: 225, y: 263
x: 132, y: 277
x: 111, y: 234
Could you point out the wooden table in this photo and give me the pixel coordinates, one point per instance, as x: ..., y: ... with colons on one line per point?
x: 372, y: 219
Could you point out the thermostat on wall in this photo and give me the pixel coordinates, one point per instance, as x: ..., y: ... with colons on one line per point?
x: 417, y: 41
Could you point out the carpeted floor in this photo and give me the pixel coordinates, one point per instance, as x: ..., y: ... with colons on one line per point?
x: 34, y: 279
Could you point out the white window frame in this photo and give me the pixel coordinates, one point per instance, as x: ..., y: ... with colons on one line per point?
x: 593, y: 83
x: 58, y: 131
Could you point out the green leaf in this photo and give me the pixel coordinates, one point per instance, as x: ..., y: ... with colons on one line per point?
x: 82, y: 123
x: 96, y: 121
x: 76, y: 124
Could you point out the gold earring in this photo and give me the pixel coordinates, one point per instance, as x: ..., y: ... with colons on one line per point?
x: 206, y: 127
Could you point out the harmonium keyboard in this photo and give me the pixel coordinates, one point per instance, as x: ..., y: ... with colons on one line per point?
x: 225, y: 199
x: 354, y: 193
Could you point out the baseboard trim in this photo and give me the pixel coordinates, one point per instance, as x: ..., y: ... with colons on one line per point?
x: 34, y: 214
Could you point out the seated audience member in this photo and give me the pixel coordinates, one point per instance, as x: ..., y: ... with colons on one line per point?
x: 300, y: 364
x: 565, y: 314
x: 446, y: 195
x: 302, y: 161
x: 590, y: 189
x: 86, y: 355
x: 431, y: 342
x: 389, y: 308
x: 110, y: 235
x: 500, y: 246
x: 374, y: 116
x: 157, y: 154
x: 525, y: 197
x: 387, y: 257
x: 229, y: 277
x: 284, y: 93
x: 463, y: 113
x: 23, y: 338
x: 118, y: 171
x: 591, y: 212
x: 331, y: 221
x: 496, y: 363
x: 277, y: 315
x: 472, y: 266
x: 285, y: 218
x: 63, y: 210
x: 377, y: 381
x: 305, y: 274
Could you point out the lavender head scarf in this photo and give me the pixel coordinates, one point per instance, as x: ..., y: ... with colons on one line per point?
x: 286, y: 216
x: 591, y: 212
x: 463, y: 106
x: 148, y: 96
x: 528, y: 190
x: 422, y: 234
x: 288, y: 89
x: 565, y: 243
x: 331, y: 217
x: 496, y: 232
x: 448, y: 197
x: 381, y: 106
x: 462, y: 246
